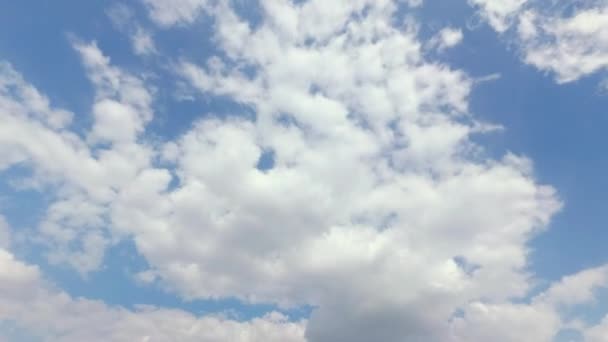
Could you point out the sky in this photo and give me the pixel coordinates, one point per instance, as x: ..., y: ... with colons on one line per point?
x: 303, y: 170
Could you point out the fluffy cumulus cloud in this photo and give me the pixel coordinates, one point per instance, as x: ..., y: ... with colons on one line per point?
x: 566, y: 38
x: 374, y: 205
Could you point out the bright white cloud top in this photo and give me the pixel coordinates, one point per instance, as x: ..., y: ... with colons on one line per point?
x: 378, y: 210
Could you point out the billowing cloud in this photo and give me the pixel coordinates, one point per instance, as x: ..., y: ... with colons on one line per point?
x: 374, y: 205
x: 377, y: 209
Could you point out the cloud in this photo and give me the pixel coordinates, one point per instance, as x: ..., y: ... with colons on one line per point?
x: 175, y: 12
x: 5, y: 236
x: 445, y: 38
x: 498, y: 13
x: 143, y: 44
x: 34, y: 305
x: 375, y: 191
x: 28, y: 301
x: 571, y: 46
x: 488, y: 78
x: 539, y: 320
x: 575, y: 289
x: 568, y: 39
x: 379, y: 209
x: 86, y: 176
x: 597, y: 333
x: 123, y: 18
x: 506, y: 322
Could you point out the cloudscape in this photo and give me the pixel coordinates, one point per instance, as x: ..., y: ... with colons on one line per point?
x: 304, y: 170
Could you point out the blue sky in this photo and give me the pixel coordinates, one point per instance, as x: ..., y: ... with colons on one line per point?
x: 153, y: 191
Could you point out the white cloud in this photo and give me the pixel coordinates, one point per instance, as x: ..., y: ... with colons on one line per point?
x: 87, y: 177
x: 506, y: 322
x: 379, y: 209
x: 42, y: 310
x: 498, y: 13
x: 376, y: 187
x: 120, y: 15
x: 446, y: 38
x: 35, y: 133
x: 576, y: 289
x: 541, y: 318
x: 488, y: 78
x: 115, y: 122
x: 597, y: 333
x: 5, y: 236
x: 113, y: 83
x: 566, y: 38
x: 302, y: 232
x: 175, y: 12
x: 143, y: 44
x: 571, y: 46
x: 123, y: 18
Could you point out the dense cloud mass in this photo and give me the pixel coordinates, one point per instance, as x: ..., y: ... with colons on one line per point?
x: 375, y: 207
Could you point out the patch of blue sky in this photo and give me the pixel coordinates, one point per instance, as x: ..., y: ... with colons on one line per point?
x: 569, y: 335
x: 22, y: 206
x: 115, y: 284
x: 11, y: 331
